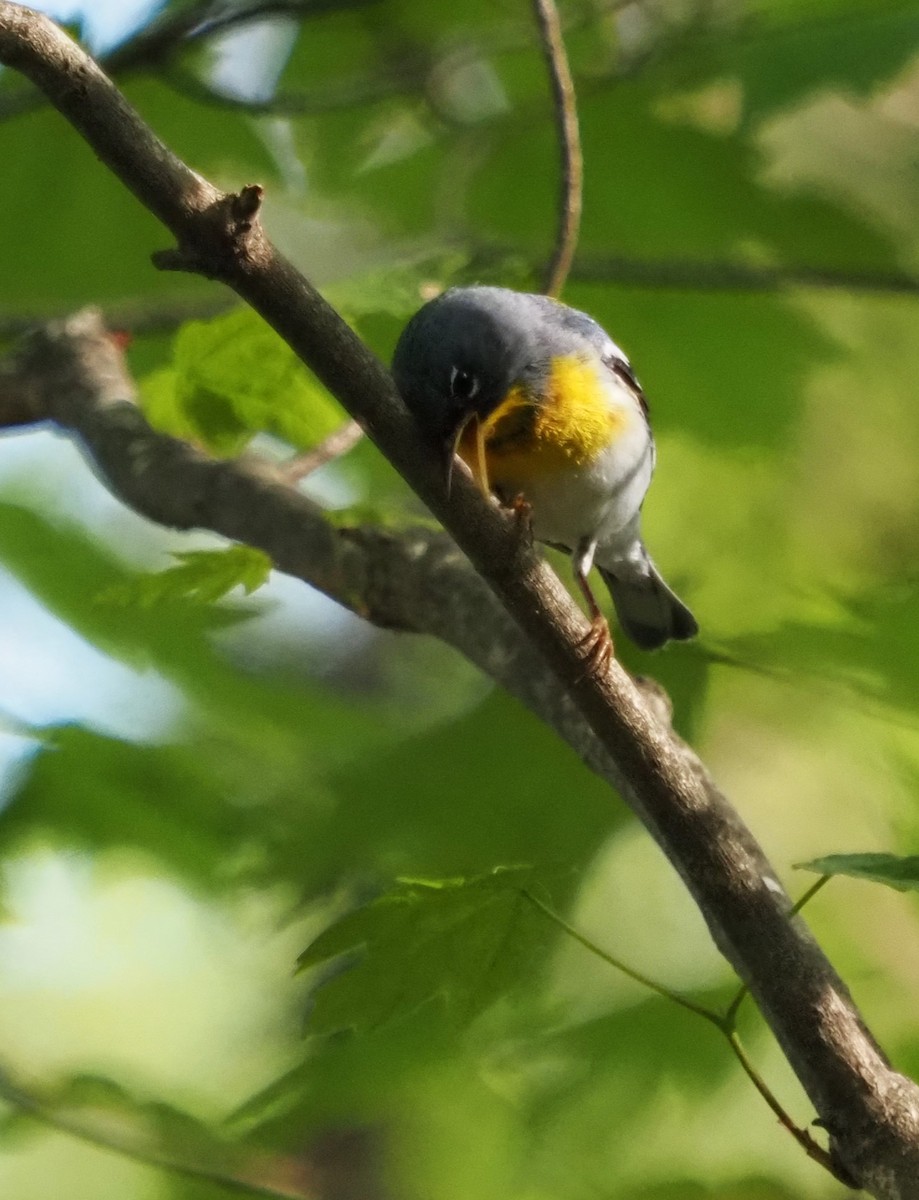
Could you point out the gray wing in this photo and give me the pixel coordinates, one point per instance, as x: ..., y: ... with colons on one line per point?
x: 622, y: 369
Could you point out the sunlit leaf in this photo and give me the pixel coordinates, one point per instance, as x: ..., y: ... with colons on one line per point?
x: 894, y: 870
x: 232, y: 377
x: 467, y: 941
x: 203, y: 576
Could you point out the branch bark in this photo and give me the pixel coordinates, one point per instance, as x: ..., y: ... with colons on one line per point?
x: 870, y: 1111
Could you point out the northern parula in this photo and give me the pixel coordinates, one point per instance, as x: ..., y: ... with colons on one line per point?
x: 545, y: 411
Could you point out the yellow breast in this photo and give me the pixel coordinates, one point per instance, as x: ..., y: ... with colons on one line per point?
x: 529, y: 436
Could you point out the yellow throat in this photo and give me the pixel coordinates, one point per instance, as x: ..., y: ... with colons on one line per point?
x: 529, y: 436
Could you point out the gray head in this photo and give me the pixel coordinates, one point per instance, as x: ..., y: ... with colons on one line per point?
x: 461, y: 353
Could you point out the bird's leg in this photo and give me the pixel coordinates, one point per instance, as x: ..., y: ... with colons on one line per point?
x: 597, y: 643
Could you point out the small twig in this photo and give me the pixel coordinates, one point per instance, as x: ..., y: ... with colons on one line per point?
x: 708, y: 1014
x: 569, y: 140
x: 24, y: 1101
x: 345, y: 93
x: 811, y: 1148
x: 159, y: 42
x: 334, y: 446
x: 217, y: 20
x: 137, y: 318
x: 724, y: 1023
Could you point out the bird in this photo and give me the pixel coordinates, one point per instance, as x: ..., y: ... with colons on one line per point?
x: 548, y: 416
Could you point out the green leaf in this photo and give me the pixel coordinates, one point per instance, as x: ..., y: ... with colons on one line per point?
x: 232, y: 377
x: 630, y: 1056
x: 190, y: 412
x: 90, y: 1090
x: 897, y: 871
x: 203, y: 576
x: 397, y: 291
x: 466, y: 941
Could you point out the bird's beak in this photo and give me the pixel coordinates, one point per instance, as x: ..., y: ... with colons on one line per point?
x: 468, y: 441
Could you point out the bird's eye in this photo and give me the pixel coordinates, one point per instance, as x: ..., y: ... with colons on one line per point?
x: 463, y: 384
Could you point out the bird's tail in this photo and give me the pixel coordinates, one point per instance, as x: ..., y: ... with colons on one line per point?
x: 648, y: 611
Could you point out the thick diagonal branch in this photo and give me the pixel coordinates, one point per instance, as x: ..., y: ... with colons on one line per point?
x: 871, y: 1111
x: 72, y: 373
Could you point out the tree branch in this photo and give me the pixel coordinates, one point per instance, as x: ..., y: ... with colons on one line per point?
x: 705, y: 275
x: 312, y: 1175
x: 870, y: 1111
x: 737, y: 277
x: 158, y: 43
x: 569, y: 144
x: 72, y: 373
x: 134, y: 317
x: 334, y: 446
x: 146, y: 1152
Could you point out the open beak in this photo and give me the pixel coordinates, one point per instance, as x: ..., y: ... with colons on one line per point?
x: 468, y: 441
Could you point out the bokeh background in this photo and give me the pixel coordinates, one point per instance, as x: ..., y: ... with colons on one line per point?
x: 191, y: 792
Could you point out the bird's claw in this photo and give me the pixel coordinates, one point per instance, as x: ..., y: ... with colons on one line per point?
x: 596, y: 646
x: 522, y: 512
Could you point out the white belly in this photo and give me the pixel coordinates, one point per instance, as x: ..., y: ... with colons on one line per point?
x: 600, y: 500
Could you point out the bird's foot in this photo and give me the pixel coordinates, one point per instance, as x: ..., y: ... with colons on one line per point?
x: 522, y: 512
x: 596, y: 646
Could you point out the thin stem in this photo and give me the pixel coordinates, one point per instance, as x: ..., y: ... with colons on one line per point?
x: 569, y: 140
x: 23, y: 1100
x: 810, y: 893
x: 135, y: 317
x: 801, y: 1136
x: 334, y: 446
x: 700, y: 1010
x: 347, y: 93
x: 723, y: 1023
x: 730, y: 1015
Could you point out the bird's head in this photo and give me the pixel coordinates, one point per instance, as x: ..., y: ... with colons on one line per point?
x: 456, y: 362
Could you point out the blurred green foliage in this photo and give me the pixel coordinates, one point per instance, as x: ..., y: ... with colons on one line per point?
x: 202, y: 575
x: 161, y: 879
x: 466, y: 941
x: 223, y: 384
